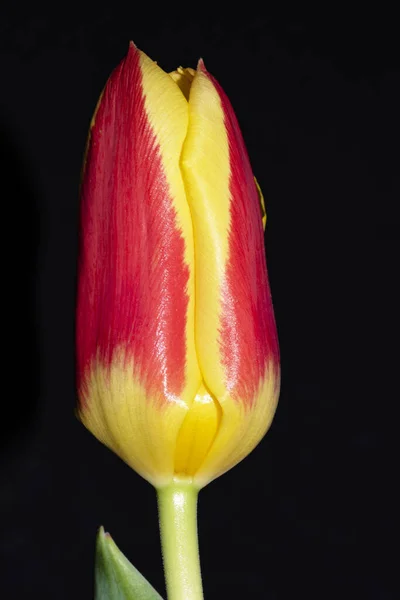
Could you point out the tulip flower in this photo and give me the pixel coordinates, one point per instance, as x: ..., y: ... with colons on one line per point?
x: 177, y: 351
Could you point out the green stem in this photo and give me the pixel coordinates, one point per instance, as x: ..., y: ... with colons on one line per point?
x: 177, y: 509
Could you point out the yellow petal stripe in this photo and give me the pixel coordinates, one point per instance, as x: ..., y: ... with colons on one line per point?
x: 206, y: 171
x: 167, y: 111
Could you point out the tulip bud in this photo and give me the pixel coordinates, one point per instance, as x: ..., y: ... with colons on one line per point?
x: 177, y: 351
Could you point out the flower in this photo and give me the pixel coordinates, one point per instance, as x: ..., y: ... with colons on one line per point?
x: 177, y: 350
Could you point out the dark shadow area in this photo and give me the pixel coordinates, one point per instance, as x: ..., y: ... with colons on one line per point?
x: 20, y: 240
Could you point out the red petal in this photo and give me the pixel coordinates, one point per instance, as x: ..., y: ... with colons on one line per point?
x: 132, y: 274
x: 249, y: 341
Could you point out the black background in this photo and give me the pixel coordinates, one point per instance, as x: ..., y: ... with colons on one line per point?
x: 311, y: 512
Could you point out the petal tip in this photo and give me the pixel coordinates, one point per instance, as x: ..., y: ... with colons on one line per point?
x: 132, y: 48
x: 201, y: 66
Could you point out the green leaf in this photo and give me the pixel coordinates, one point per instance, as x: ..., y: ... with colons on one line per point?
x: 115, y: 577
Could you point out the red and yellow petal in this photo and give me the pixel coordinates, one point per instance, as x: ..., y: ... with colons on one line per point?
x: 178, y: 360
x: 137, y: 366
x: 235, y: 332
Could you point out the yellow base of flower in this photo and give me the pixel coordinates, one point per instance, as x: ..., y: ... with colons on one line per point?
x: 163, y: 440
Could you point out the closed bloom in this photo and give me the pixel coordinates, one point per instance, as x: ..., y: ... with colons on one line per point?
x: 177, y: 351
